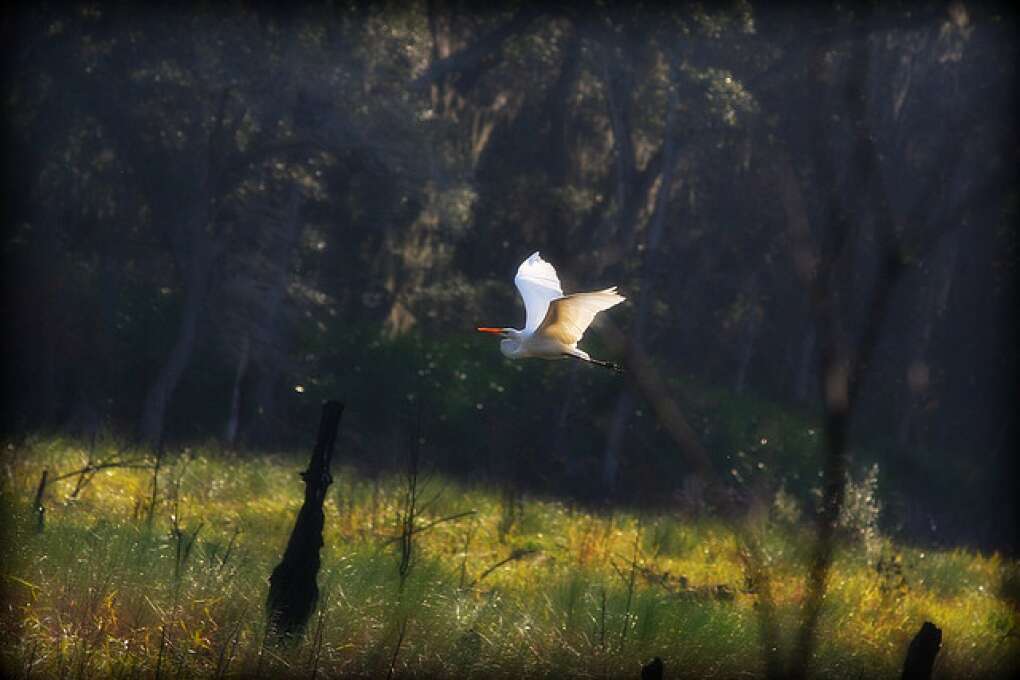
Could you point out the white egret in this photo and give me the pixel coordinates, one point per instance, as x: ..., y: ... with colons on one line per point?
x: 554, y: 322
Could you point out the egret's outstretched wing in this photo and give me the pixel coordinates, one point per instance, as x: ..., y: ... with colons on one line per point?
x: 537, y: 281
x: 569, y: 317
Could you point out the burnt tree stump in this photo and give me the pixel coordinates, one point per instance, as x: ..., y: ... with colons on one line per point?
x: 293, y: 590
x: 653, y: 670
x: 922, y: 652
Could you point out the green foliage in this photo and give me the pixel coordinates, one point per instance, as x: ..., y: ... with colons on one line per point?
x: 667, y: 537
x: 859, y: 514
x: 97, y: 589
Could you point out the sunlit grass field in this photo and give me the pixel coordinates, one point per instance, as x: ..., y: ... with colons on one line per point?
x: 105, y: 590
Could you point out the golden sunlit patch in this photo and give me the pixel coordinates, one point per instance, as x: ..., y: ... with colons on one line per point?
x: 528, y: 573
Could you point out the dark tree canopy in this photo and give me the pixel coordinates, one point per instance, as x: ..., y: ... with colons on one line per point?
x: 219, y: 216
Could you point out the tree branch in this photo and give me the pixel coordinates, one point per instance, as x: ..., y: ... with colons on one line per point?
x: 646, y: 379
x: 471, y: 61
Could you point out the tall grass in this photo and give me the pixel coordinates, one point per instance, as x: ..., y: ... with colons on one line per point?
x: 557, y: 592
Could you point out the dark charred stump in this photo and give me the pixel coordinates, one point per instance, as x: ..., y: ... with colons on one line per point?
x: 652, y: 670
x: 293, y: 591
x: 922, y: 652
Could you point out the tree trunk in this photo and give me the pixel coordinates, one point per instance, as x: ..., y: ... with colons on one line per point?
x: 230, y: 432
x: 623, y: 146
x: 110, y: 287
x: 614, y: 443
x: 293, y: 590
x: 805, y: 365
x: 195, y: 252
x: 263, y: 428
x: 270, y: 343
x: 918, y: 378
x: 471, y: 62
x: 158, y: 399
x: 92, y: 377
x: 750, y: 333
x: 625, y: 403
x: 558, y: 105
x: 561, y: 434
x: 52, y: 326
x: 439, y: 29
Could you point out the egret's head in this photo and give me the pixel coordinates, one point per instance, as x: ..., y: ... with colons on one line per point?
x: 510, y: 345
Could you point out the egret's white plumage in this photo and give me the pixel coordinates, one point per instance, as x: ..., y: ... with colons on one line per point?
x: 554, y: 322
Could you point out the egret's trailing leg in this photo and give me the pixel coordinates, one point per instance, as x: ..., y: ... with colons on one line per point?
x: 614, y: 367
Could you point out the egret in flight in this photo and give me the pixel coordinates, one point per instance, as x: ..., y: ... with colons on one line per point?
x: 554, y: 322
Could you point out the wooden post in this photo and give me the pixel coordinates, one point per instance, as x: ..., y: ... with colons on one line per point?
x: 293, y: 591
x: 922, y: 652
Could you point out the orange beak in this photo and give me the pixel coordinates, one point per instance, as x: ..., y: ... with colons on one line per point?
x: 486, y: 329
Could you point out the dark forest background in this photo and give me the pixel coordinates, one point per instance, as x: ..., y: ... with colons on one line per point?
x: 218, y: 215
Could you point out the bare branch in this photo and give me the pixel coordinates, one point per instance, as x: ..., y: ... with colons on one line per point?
x: 518, y: 554
x: 434, y: 523
x: 96, y: 467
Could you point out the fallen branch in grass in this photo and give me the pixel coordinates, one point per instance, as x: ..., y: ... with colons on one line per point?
x: 517, y: 554
x: 680, y: 589
x: 230, y: 547
x: 92, y: 468
x: 84, y: 474
x: 432, y: 524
